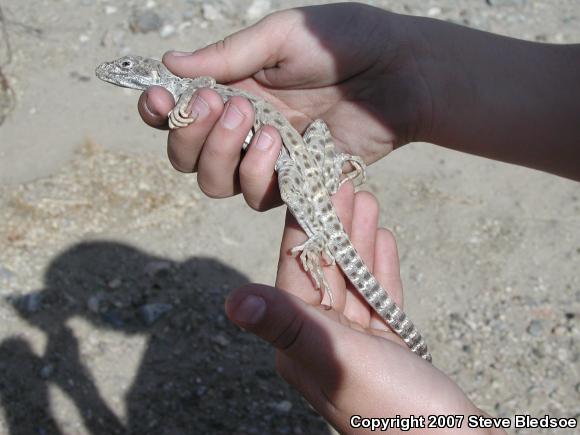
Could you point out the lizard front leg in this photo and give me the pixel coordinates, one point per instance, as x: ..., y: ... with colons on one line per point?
x: 180, y: 115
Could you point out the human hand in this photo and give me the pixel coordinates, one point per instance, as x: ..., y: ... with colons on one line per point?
x: 346, y: 361
x: 349, y: 64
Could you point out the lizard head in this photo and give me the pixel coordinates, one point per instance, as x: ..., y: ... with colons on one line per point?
x: 134, y: 72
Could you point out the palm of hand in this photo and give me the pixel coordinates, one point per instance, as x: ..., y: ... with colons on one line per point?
x: 360, y: 366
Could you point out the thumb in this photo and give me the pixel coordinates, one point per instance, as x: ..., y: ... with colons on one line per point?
x: 239, y: 55
x: 299, y: 330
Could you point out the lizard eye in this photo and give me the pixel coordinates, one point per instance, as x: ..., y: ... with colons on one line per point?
x: 126, y: 64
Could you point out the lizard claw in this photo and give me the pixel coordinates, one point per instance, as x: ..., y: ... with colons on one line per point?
x: 179, y: 117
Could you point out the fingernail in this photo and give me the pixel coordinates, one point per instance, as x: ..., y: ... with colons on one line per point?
x: 264, y: 141
x: 199, y: 108
x: 149, y: 108
x: 233, y: 117
x: 251, y: 310
x: 180, y: 53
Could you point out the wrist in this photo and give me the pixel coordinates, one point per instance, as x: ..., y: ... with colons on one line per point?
x: 499, y: 97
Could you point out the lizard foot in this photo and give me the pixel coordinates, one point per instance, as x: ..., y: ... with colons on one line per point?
x: 358, y: 174
x: 311, y: 252
x: 179, y: 117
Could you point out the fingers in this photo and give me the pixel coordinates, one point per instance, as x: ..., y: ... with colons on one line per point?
x: 292, y: 326
x: 239, y: 55
x: 221, y: 152
x: 258, y: 180
x: 154, y: 105
x: 184, y: 145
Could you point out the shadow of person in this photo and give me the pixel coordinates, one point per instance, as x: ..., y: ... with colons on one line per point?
x: 198, y: 373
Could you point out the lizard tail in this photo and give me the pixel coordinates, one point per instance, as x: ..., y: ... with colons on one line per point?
x: 377, y: 296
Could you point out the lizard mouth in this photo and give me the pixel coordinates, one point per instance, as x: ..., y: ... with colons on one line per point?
x: 102, y: 71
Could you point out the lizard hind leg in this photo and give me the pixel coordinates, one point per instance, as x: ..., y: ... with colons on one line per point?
x: 299, y: 204
x: 358, y: 174
x: 321, y: 146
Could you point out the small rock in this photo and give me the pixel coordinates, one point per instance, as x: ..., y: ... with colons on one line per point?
x: 152, y: 312
x: 187, y: 14
x: 31, y: 302
x: 5, y: 273
x: 505, y: 2
x: 109, y: 9
x: 434, y: 11
x: 535, y: 328
x: 94, y: 303
x: 200, y: 390
x: 145, y: 21
x: 559, y: 330
x: 167, y: 31
x: 115, y: 283
x: 210, y: 12
x: 258, y: 9
x: 113, y: 318
x: 46, y: 371
x: 221, y: 339
x: 157, y: 267
x: 284, y: 406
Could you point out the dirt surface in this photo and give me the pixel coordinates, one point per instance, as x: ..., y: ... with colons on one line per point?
x: 114, y: 268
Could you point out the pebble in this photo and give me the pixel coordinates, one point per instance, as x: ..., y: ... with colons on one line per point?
x: 5, y: 273
x: 145, y: 21
x: 152, y: 312
x: 113, y: 318
x: 506, y: 2
x: 167, y: 31
x: 258, y: 9
x: 434, y: 11
x: 284, y: 406
x: 46, y: 371
x: 221, y: 339
x: 535, y: 328
x: 559, y: 330
x: 110, y: 10
x: 115, y: 283
x: 210, y: 12
x: 200, y: 390
x: 31, y: 302
x: 153, y: 268
x: 94, y: 303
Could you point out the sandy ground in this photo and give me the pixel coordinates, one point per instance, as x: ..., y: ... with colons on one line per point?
x: 114, y: 268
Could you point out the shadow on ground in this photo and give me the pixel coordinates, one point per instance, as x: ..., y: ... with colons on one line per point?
x: 198, y: 373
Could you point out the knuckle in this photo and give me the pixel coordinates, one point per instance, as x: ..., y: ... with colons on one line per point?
x: 288, y: 336
x: 367, y: 201
x: 209, y: 190
x: 223, y: 49
x: 179, y: 165
x: 388, y: 239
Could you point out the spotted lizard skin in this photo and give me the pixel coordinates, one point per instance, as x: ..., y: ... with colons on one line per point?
x: 309, y: 172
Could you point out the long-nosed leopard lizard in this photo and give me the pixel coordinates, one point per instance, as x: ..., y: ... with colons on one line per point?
x: 309, y: 171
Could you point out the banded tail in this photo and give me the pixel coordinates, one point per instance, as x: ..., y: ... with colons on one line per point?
x: 378, y: 298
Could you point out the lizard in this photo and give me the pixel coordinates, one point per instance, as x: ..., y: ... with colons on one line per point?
x: 309, y: 171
